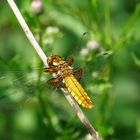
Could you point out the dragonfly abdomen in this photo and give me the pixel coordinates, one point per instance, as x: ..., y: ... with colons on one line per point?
x: 77, y: 91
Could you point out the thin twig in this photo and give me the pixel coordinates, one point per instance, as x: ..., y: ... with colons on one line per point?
x: 80, y: 114
x: 27, y: 31
x: 36, y: 46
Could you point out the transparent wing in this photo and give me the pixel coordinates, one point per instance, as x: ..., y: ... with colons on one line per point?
x: 20, y: 87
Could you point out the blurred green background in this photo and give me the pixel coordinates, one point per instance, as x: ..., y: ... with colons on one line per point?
x: 109, y: 54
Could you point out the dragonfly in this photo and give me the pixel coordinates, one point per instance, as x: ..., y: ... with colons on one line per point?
x: 64, y: 75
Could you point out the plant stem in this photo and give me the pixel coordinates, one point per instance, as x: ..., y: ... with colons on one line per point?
x: 27, y: 31
x: 81, y: 115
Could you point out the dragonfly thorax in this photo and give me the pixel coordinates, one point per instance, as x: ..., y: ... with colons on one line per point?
x: 60, y: 66
x: 55, y: 60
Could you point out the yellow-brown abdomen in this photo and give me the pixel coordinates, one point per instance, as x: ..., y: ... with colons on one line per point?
x: 77, y: 91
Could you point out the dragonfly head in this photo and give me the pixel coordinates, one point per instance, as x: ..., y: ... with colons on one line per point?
x: 55, y: 60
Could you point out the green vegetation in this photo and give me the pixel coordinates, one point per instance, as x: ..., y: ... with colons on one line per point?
x: 109, y: 54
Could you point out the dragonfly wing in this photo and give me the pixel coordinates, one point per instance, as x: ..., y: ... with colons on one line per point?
x: 70, y: 60
x: 18, y: 88
x: 56, y: 81
x: 77, y: 72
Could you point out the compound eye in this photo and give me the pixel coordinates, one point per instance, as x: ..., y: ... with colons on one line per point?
x: 55, y: 62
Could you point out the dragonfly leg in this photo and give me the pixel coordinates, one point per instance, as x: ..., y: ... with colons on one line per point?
x: 70, y: 60
x: 56, y: 81
x: 77, y: 72
x: 51, y: 69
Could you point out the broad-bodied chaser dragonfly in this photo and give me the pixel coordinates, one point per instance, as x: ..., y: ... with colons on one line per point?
x: 65, y: 75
